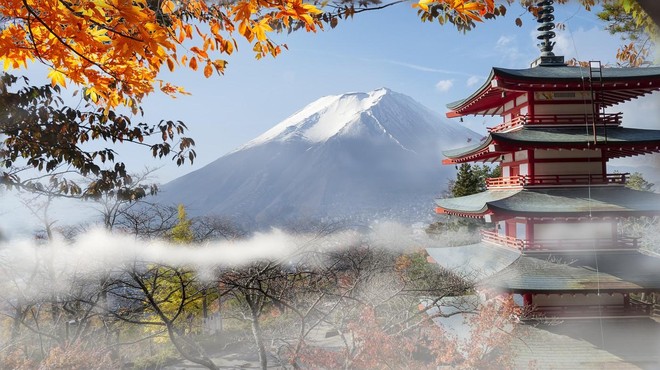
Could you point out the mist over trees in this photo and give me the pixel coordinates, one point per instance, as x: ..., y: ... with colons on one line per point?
x: 331, y: 301
x: 354, y: 305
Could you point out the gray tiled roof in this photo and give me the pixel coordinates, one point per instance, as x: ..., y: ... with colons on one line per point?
x: 560, y: 136
x: 474, y: 262
x: 557, y: 201
x: 624, y: 271
x: 475, y: 203
x: 625, y: 343
x: 559, y: 74
x: 576, y: 73
x: 555, y: 137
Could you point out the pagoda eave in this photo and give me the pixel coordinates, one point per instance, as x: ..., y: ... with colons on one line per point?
x: 503, y: 213
x: 614, y: 142
x: 580, y: 273
x: 554, y: 202
x: 617, y: 85
x: 452, y: 212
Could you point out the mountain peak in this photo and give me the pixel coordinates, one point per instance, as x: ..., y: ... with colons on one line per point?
x: 348, y: 157
x: 323, y: 118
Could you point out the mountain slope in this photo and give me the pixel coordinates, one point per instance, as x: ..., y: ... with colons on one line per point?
x: 354, y: 156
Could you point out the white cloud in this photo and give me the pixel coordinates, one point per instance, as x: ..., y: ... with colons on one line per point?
x: 503, y: 41
x: 444, y: 85
x: 473, y: 80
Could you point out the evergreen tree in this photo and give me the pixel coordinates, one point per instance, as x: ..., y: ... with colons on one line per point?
x: 471, y: 179
x: 467, y: 181
x: 637, y: 182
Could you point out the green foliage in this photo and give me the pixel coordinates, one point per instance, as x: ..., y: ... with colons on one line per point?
x: 637, y: 181
x: 40, y: 132
x: 471, y: 179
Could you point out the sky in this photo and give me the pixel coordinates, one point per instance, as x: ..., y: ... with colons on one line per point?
x: 390, y: 48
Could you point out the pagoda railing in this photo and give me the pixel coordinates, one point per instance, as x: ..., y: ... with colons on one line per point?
x: 552, y: 180
x: 602, y: 119
x: 503, y: 240
x: 545, y: 245
x: 581, y: 244
x: 594, y: 310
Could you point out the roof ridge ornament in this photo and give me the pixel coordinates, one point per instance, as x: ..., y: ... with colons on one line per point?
x: 546, y: 34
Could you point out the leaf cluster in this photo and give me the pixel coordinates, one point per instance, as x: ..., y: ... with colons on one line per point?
x: 41, y: 132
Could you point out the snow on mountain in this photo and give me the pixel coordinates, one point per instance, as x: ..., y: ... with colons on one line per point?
x: 354, y: 157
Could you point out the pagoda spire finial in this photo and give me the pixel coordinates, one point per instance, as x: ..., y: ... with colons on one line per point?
x: 546, y: 34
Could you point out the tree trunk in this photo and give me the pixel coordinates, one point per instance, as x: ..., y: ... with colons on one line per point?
x: 16, y: 325
x: 256, y: 332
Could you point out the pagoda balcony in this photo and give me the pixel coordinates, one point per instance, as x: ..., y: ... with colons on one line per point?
x: 556, y: 180
x: 557, y: 245
x: 634, y: 309
x: 559, y: 120
x: 502, y: 240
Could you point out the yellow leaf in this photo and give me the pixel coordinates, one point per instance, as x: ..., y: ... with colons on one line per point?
x: 423, y: 4
x: 193, y: 63
x: 261, y: 28
x: 57, y: 78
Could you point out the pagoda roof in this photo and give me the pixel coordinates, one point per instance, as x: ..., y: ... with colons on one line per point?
x: 618, y: 85
x: 614, y: 141
x: 588, y: 343
x: 555, y: 202
x: 474, y: 262
x: 585, y: 272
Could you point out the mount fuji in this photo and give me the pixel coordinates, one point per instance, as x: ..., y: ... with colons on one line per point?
x: 354, y: 157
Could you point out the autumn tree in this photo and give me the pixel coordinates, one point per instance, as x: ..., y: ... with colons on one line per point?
x: 175, y: 298
x: 637, y: 29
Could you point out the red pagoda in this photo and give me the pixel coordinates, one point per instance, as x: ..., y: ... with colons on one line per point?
x: 556, y: 239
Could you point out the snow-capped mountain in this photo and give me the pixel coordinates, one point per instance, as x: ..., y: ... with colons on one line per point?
x: 355, y: 156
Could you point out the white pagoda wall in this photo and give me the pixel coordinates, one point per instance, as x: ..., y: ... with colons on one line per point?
x: 570, y: 168
x: 565, y: 164
x: 563, y: 109
x: 566, y: 154
x: 581, y: 231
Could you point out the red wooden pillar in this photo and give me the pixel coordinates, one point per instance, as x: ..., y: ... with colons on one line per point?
x: 527, y: 301
x: 529, y: 230
x: 530, y: 166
